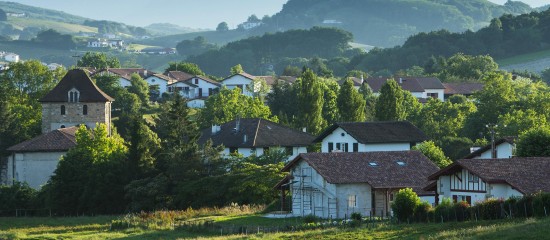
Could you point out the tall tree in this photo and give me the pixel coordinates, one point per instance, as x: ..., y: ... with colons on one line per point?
x: 236, y: 69
x: 370, y: 101
x: 389, y: 106
x: 222, y: 27
x: 311, y: 99
x: 98, y: 60
x: 534, y: 142
x: 187, y: 67
x: 351, y: 104
x: 434, y: 153
x: 140, y: 87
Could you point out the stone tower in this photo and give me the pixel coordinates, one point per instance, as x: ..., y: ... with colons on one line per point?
x: 75, y: 100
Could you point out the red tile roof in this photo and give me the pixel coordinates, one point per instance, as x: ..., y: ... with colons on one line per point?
x: 59, y: 140
x: 358, y: 167
x: 411, y: 84
x: 526, y: 174
x: 378, y: 132
x: 78, y: 79
x: 462, y: 88
x: 179, y: 75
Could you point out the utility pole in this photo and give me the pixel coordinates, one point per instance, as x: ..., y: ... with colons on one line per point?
x: 492, y: 130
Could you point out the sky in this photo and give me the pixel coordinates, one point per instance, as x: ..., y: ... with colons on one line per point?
x: 186, y: 13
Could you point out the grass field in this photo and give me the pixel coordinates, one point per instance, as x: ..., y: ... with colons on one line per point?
x: 61, y: 27
x: 98, y: 228
x: 529, y: 57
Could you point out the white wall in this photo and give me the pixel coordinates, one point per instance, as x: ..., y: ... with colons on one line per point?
x: 246, y: 152
x: 188, y: 95
x: 504, y: 150
x: 363, y: 196
x: 196, y: 103
x: 124, y: 82
x: 34, y: 168
x: 162, y: 83
x: 440, y: 93
x: 336, y: 137
x: 237, y: 81
x: 204, y: 85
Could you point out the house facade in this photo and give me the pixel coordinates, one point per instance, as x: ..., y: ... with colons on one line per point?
x: 504, y: 148
x: 337, y: 184
x: 370, y: 137
x: 255, y: 136
x: 240, y: 80
x: 475, y: 180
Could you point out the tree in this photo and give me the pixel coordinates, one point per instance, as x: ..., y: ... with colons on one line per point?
x: 534, y: 142
x: 404, y: 203
x: 294, y: 71
x: 518, y: 121
x: 466, y: 68
x: 331, y: 113
x: 236, y: 69
x: 228, y: 105
x: 546, y: 76
x: 196, y: 46
x: 186, y: 67
x: 434, y: 153
x: 144, y: 145
x: 54, y: 39
x: 140, y: 88
x: 98, y: 60
x: 370, y: 101
x: 389, y: 106
x: 3, y: 16
x: 311, y: 99
x: 90, y: 178
x: 222, y: 27
x: 351, y: 104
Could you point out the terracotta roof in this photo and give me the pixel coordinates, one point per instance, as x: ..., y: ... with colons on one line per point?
x: 78, y: 79
x: 378, y: 132
x: 259, y: 133
x: 55, y: 141
x: 462, y: 88
x: 126, y: 73
x: 246, y: 75
x: 167, y: 78
x: 271, y: 80
x: 179, y: 75
x: 358, y: 167
x: 357, y: 82
x: 206, y: 79
x: 411, y: 84
x: 481, y: 150
x: 289, y: 79
x: 526, y: 174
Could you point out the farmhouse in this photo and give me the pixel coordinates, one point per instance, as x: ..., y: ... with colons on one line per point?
x: 370, y: 137
x: 256, y: 136
x: 337, y: 184
x: 474, y: 180
x: 242, y: 81
x: 76, y: 100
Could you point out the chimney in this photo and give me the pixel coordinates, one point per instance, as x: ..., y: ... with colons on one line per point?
x: 304, y: 129
x: 244, y: 138
x: 216, y: 129
x: 400, y: 80
x: 144, y: 72
x: 362, y: 80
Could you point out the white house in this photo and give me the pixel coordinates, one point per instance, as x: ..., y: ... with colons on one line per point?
x: 125, y: 74
x: 475, y: 180
x: 370, y: 137
x: 240, y: 80
x: 186, y: 89
x: 35, y: 160
x: 504, y: 148
x: 255, y: 136
x: 195, y: 87
x: 11, y: 57
x: 420, y: 87
x: 160, y: 80
x: 337, y: 184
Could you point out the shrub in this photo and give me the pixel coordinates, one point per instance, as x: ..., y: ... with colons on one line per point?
x: 461, y: 211
x: 442, y: 211
x: 404, y: 204
x: 541, y: 204
x: 17, y: 196
x: 311, y: 219
x: 421, y: 212
x: 356, y: 216
x: 489, y: 209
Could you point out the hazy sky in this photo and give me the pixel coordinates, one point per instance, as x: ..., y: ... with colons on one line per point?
x: 187, y: 13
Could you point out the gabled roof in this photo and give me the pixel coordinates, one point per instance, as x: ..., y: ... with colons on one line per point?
x: 462, y: 88
x: 411, y: 84
x: 271, y: 80
x: 168, y: 79
x: 259, y: 133
x: 246, y: 75
x: 378, y: 132
x: 357, y: 167
x: 78, y: 79
x: 357, y: 82
x: 526, y: 174
x: 179, y: 75
x: 206, y: 79
x: 483, y: 149
x: 59, y: 140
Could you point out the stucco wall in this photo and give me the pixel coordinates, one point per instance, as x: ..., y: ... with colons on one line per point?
x: 52, y: 118
x: 204, y: 85
x: 504, y: 150
x: 238, y: 80
x: 33, y: 168
x: 246, y: 152
x: 152, y: 80
x: 341, y: 136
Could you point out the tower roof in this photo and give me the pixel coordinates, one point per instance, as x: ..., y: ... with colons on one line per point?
x: 78, y: 79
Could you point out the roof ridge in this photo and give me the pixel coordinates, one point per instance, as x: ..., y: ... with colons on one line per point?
x: 256, y: 133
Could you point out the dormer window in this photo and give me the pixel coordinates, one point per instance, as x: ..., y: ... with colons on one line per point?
x: 74, y: 95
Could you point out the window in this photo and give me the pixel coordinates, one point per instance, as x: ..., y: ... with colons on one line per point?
x: 432, y: 95
x: 401, y: 163
x: 330, y: 147
x: 373, y: 164
x: 62, y: 126
x: 355, y: 147
x: 74, y: 95
x: 288, y: 150
x: 62, y: 109
x: 352, y: 201
x: 196, y: 81
x: 343, y: 147
x: 462, y: 198
x: 85, y: 110
x: 472, y: 178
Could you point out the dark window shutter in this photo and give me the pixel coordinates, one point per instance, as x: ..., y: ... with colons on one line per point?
x: 339, y: 146
x: 455, y: 198
x: 330, y: 147
x: 356, y: 147
x: 469, y: 199
x: 346, y: 147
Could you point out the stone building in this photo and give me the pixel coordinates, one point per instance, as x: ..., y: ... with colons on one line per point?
x: 75, y: 100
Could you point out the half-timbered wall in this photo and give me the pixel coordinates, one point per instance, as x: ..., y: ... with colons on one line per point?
x: 464, y: 181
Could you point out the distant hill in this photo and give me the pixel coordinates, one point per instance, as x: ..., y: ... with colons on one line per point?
x: 163, y: 29
x: 382, y: 23
x: 41, y: 13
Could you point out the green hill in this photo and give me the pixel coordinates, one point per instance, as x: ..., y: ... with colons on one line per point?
x: 41, y: 13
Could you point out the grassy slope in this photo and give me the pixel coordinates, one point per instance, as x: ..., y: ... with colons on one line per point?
x: 219, y: 38
x: 61, y: 27
x: 97, y: 228
x: 534, y: 62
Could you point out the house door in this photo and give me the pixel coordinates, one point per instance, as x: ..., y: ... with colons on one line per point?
x: 200, y: 92
x: 373, y: 204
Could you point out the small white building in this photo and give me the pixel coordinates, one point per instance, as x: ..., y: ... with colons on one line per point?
x: 475, y: 180
x: 195, y: 88
x: 337, y: 184
x: 242, y: 81
x: 255, y: 136
x: 504, y: 148
x: 35, y: 160
x: 160, y: 80
x: 370, y: 137
x: 11, y: 57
